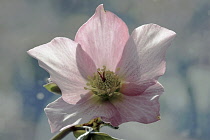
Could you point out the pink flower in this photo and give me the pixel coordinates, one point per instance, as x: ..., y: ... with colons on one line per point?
x: 105, y: 72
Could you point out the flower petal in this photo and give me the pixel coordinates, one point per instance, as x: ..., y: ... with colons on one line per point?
x: 144, y: 55
x: 103, y: 37
x: 60, y: 58
x: 85, y: 64
x: 143, y: 108
x: 132, y: 89
x: 63, y: 115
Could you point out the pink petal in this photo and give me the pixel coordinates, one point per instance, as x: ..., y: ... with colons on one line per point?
x: 62, y: 115
x: 132, y: 89
x: 144, y: 54
x: 103, y: 37
x: 85, y: 64
x: 143, y: 108
x: 60, y: 58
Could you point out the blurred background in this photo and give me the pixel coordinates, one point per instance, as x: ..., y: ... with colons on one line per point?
x: 185, y: 105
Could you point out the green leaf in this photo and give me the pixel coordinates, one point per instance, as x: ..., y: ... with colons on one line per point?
x: 86, y: 135
x: 101, y: 136
x: 77, y: 133
x: 96, y: 136
x: 52, y: 87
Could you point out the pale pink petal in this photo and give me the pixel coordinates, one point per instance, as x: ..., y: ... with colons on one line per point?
x: 85, y: 64
x: 103, y: 37
x: 132, y: 89
x: 62, y: 115
x: 144, y: 54
x: 143, y: 108
x: 60, y: 58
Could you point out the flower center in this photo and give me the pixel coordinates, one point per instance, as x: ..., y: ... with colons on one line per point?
x: 104, y: 83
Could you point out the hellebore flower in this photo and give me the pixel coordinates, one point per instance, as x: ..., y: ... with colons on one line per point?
x: 105, y: 72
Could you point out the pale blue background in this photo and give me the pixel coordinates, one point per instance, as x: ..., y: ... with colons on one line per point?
x: 185, y: 106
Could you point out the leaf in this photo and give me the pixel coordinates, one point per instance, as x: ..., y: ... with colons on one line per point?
x: 86, y: 135
x: 77, y: 133
x: 52, y: 87
x: 101, y: 136
x: 91, y: 135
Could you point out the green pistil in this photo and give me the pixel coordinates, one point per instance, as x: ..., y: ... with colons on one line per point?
x: 104, y: 83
